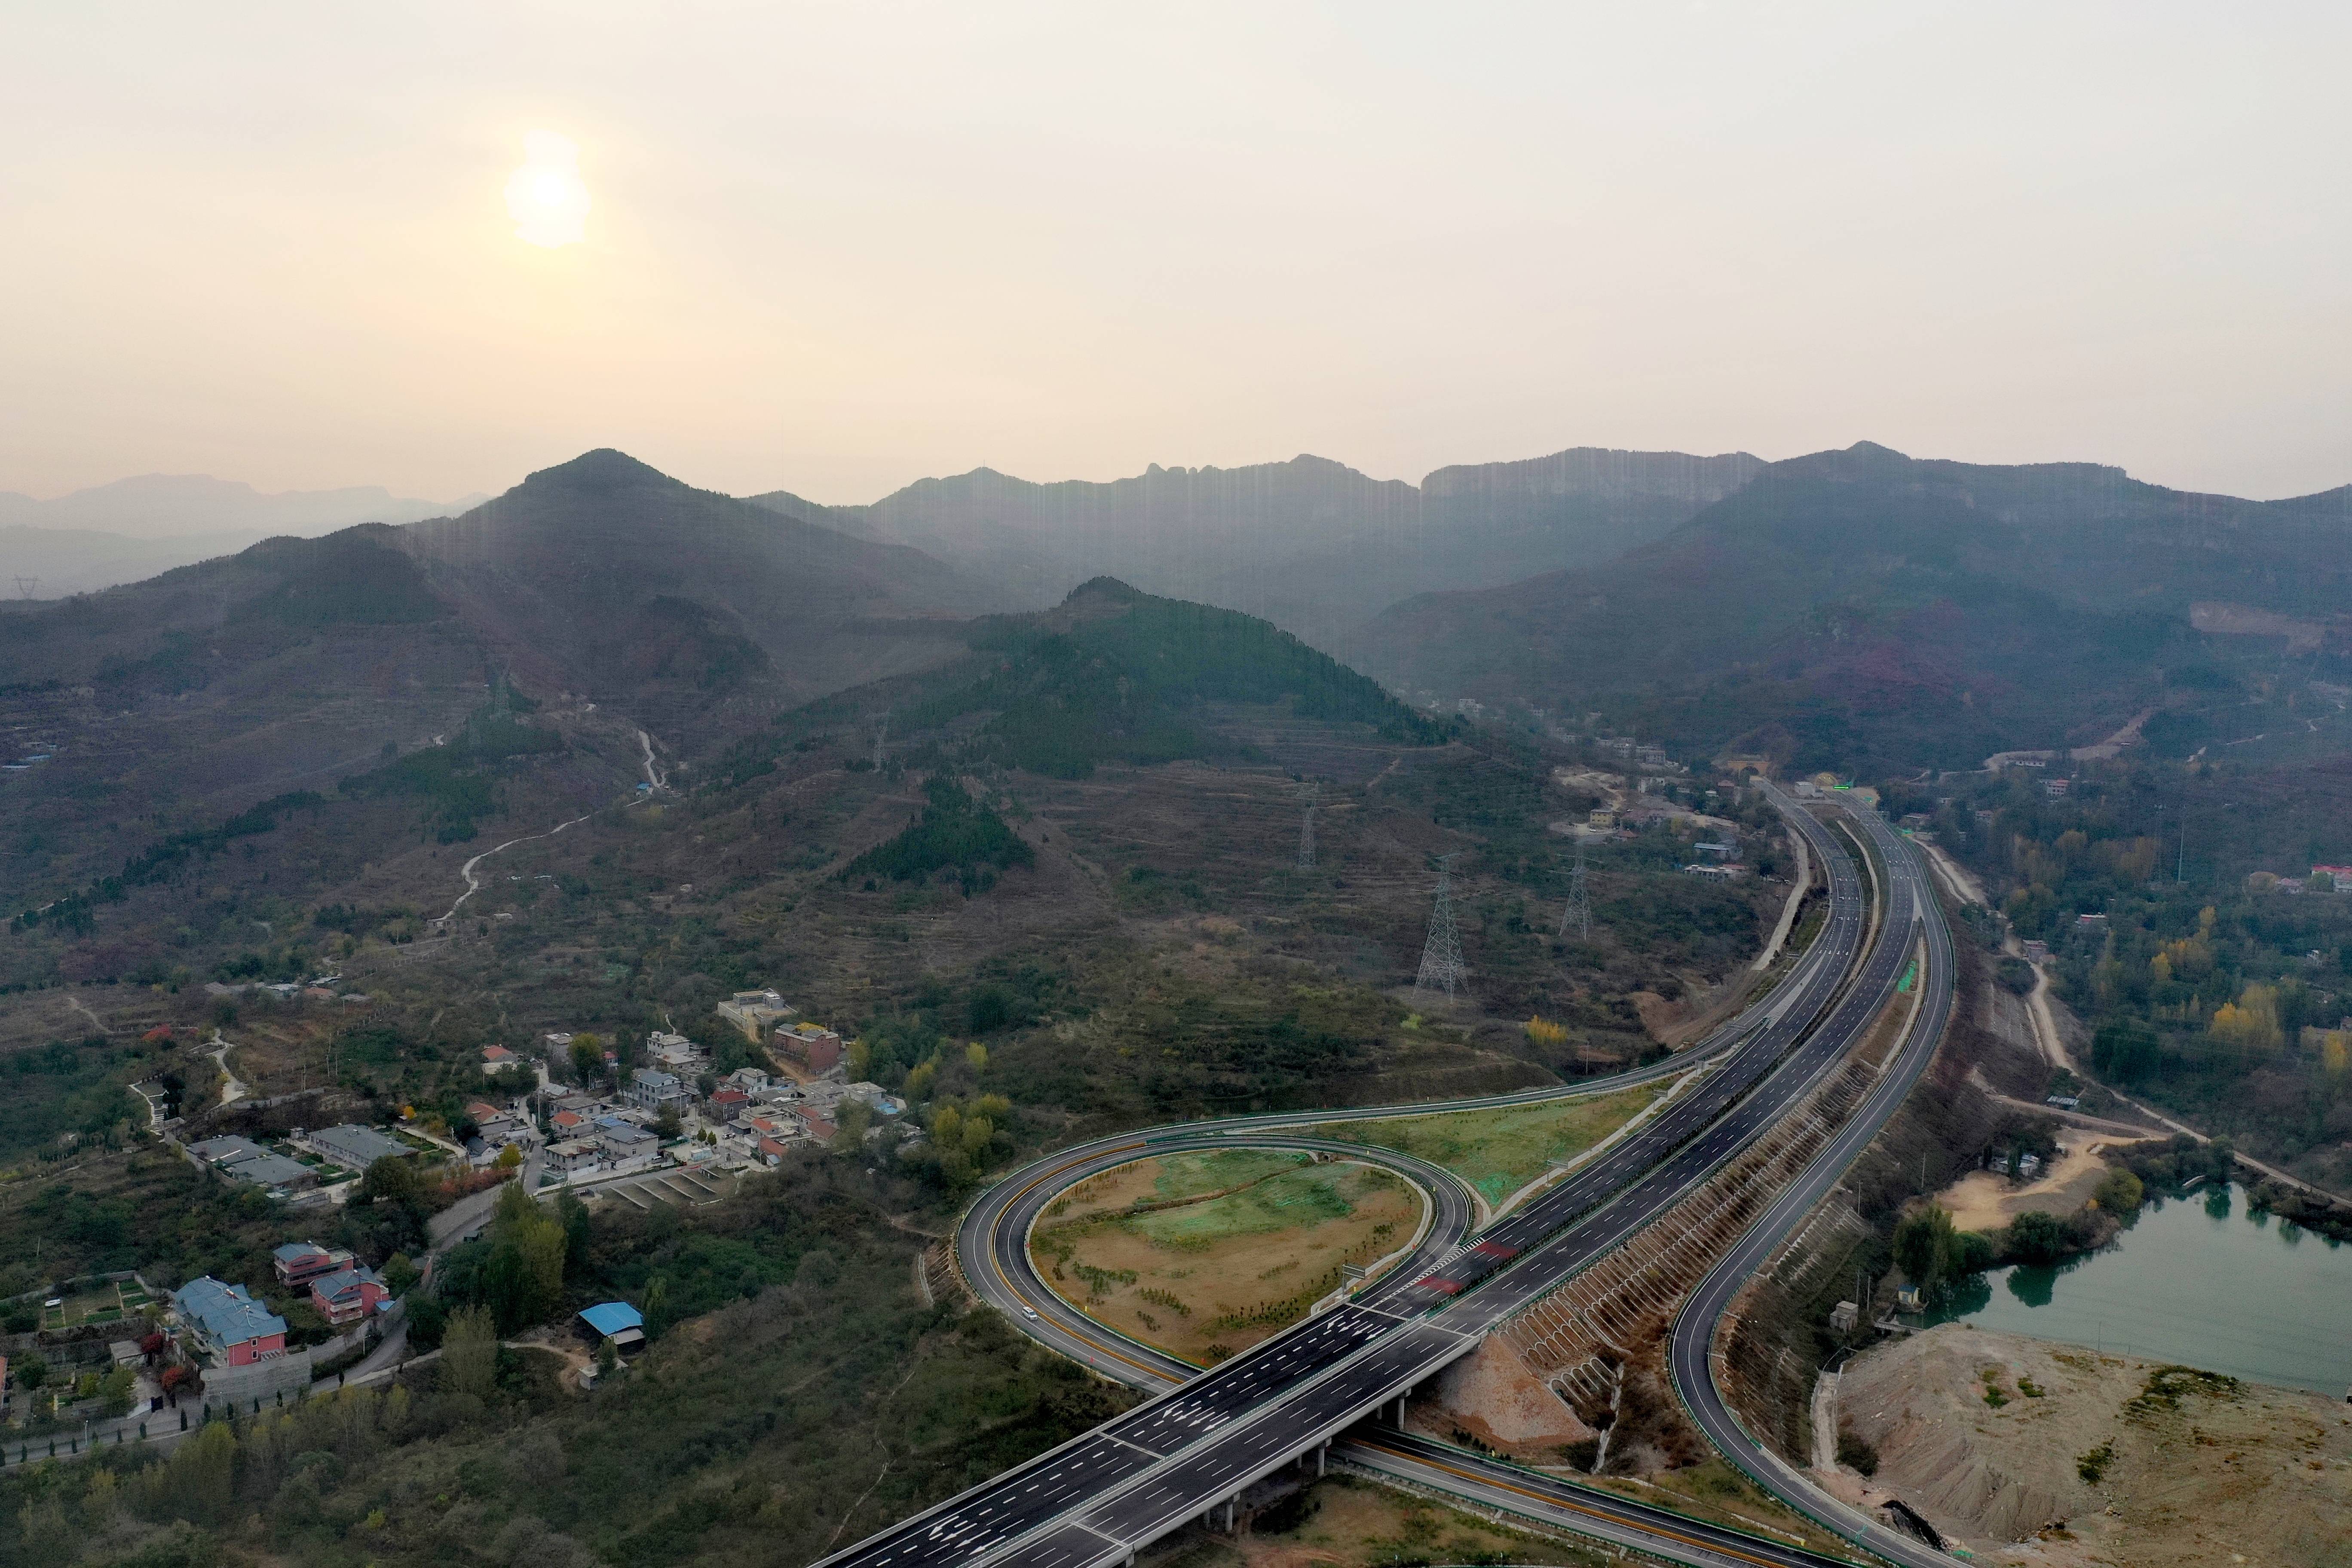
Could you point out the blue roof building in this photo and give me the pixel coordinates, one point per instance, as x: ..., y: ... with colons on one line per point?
x: 228, y: 1323
x: 617, y: 1322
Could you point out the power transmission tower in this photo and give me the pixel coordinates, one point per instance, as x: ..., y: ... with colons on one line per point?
x: 28, y: 587
x: 1578, y: 912
x: 881, y: 732
x: 1440, y: 956
x: 1307, y: 830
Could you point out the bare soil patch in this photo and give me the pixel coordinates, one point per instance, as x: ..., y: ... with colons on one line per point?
x: 1985, y: 1200
x: 2037, y: 1453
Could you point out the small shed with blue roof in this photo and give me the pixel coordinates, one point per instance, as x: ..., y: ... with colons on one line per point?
x: 617, y: 1322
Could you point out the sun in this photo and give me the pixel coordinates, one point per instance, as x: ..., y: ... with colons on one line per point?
x: 545, y: 196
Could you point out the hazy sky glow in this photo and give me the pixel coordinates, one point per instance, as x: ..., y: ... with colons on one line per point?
x: 839, y: 247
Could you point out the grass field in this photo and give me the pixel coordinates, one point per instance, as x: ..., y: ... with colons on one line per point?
x: 1204, y: 1255
x: 1499, y: 1150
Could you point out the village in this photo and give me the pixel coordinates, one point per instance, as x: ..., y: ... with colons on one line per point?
x: 105, y: 1361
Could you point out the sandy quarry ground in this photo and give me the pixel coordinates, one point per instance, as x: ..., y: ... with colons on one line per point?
x: 1984, y: 1200
x: 1236, y: 1230
x: 2256, y: 1475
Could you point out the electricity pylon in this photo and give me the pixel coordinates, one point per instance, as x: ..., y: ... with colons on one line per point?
x: 1440, y: 956
x: 881, y: 732
x: 1307, y: 830
x: 1578, y: 912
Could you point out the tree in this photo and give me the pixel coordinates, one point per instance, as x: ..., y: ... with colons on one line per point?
x: 587, y: 1056
x: 2125, y: 1049
x: 2120, y: 1193
x: 469, y: 1353
x: 607, y: 1358
x: 2036, y: 1237
x: 393, y: 1179
x: 1924, y: 1245
x: 666, y: 1124
x: 115, y: 1388
x: 31, y: 1373
x: 510, y: 1158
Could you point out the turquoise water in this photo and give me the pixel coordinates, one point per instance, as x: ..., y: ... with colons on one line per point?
x: 2199, y: 1280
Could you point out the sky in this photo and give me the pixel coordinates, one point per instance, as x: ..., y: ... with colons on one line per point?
x: 835, y: 248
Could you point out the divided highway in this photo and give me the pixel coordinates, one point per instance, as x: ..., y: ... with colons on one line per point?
x: 1690, y: 1352
x: 1096, y: 1500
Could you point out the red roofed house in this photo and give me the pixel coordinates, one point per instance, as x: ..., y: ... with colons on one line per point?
x: 498, y: 1058
x: 816, y: 1126
x: 728, y: 1098
x: 771, y: 1150
x: 567, y: 1121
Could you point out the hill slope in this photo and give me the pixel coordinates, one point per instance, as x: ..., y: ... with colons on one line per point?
x: 1859, y: 605
x: 629, y: 599
x: 1311, y: 544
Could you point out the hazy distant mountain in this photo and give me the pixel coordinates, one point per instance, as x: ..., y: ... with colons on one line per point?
x: 170, y: 506
x: 1862, y: 604
x: 52, y: 563
x: 1311, y: 544
x: 135, y: 527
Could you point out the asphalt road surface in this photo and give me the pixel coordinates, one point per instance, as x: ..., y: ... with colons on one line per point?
x: 1095, y: 1499
x: 1689, y: 1354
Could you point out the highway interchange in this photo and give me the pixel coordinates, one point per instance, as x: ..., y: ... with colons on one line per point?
x: 1194, y: 1447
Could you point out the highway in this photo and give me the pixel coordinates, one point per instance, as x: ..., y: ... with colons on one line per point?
x: 1097, y: 1498
x: 1690, y: 1353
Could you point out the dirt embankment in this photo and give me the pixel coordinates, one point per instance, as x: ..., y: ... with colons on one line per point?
x: 2030, y: 1452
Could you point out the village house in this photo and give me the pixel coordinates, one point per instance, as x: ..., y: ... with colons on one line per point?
x: 353, y: 1148
x: 810, y: 1046
x: 653, y: 1090
x: 242, y: 1160
x: 674, y: 1051
x: 496, y: 1060
x: 226, y: 1324
x: 753, y: 1011
x: 300, y: 1262
x: 349, y: 1295
x: 625, y: 1145
x: 575, y: 1157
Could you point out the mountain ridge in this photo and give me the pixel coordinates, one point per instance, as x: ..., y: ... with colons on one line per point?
x: 1309, y: 543
x: 1950, y: 610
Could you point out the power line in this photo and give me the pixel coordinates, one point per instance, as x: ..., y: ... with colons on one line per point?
x: 1442, y: 968
x: 1578, y: 912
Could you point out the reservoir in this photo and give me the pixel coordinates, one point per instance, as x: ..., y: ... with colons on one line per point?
x: 2199, y: 1280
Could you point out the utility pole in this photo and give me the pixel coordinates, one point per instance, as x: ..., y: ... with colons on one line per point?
x: 1307, y: 830
x: 1578, y: 912
x: 1440, y: 956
